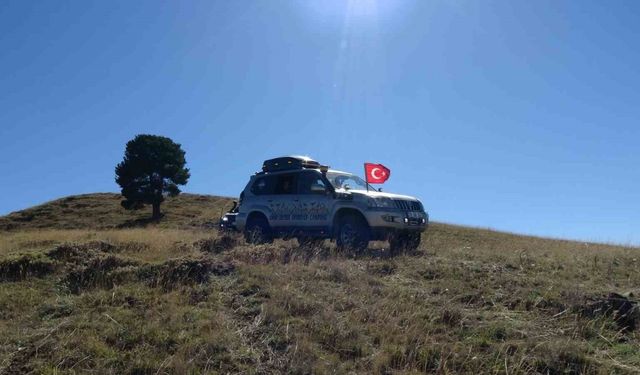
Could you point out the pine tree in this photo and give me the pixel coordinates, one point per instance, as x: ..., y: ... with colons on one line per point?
x: 152, y: 169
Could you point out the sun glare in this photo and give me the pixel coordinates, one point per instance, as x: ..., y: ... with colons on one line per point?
x: 360, y: 11
x: 359, y: 66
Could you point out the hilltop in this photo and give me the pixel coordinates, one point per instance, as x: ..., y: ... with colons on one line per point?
x: 103, y: 211
x: 86, y: 286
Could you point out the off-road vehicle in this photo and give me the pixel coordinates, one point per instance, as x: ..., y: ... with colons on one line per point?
x: 297, y: 197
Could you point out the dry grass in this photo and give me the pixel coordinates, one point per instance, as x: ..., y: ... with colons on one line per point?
x: 103, y: 211
x: 183, y: 299
x: 165, y: 243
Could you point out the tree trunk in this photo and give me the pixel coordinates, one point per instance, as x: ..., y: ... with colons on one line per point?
x: 156, y: 210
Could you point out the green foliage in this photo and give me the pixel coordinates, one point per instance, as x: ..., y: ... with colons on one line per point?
x: 152, y: 168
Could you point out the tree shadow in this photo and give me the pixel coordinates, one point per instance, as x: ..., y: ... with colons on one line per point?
x: 139, y: 223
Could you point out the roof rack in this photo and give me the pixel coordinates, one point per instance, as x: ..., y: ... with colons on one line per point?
x: 289, y: 163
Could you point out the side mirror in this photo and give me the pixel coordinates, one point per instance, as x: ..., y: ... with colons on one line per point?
x: 380, y: 190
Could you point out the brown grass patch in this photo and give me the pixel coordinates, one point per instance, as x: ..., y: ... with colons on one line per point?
x: 175, y: 297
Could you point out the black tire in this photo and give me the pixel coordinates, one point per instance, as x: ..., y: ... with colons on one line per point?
x: 413, y: 242
x: 353, y: 234
x: 257, y: 231
x: 404, y: 242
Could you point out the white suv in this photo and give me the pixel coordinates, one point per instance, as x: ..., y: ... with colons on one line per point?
x: 295, y: 196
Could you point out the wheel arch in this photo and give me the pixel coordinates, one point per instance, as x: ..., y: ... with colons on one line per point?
x: 257, y: 230
x: 256, y: 214
x: 343, y: 212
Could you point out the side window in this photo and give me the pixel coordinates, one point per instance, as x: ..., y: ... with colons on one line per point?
x: 263, y: 185
x: 311, y: 183
x: 285, y: 184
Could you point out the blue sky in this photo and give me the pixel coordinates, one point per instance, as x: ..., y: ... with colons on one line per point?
x: 516, y: 115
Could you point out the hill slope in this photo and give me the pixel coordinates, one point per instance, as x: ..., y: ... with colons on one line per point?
x: 88, y: 287
x: 103, y: 211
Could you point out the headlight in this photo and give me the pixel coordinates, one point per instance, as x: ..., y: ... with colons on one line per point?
x: 381, y: 202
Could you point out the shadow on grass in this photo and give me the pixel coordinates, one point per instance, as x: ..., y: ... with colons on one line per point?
x: 139, y: 223
x: 384, y: 253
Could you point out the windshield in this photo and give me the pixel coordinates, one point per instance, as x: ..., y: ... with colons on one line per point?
x: 346, y: 181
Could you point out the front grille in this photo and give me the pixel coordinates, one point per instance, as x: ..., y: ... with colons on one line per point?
x: 407, y: 205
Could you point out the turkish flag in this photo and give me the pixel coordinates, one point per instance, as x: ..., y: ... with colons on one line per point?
x: 376, y: 173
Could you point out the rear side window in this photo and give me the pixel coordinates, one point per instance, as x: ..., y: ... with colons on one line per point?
x: 264, y: 185
x: 285, y: 184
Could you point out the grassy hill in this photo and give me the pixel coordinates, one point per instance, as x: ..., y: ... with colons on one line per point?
x: 103, y: 211
x: 86, y: 287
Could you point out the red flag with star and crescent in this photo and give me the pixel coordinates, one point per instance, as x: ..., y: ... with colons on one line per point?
x: 376, y: 173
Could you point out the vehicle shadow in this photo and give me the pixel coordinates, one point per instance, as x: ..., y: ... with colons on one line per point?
x: 330, y: 251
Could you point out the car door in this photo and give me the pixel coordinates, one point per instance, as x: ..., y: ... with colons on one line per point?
x: 314, y: 200
x: 283, y: 203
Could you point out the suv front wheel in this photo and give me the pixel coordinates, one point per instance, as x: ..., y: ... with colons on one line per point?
x: 353, y: 234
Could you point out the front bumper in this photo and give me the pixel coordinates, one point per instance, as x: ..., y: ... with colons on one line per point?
x: 228, y: 222
x: 384, y: 222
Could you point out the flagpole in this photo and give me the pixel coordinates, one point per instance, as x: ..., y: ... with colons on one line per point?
x: 366, y: 178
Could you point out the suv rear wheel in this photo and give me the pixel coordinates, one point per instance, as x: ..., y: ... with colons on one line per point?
x: 258, y: 231
x: 353, y: 234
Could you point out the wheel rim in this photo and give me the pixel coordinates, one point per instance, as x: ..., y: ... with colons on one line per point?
x: 348, y: 235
